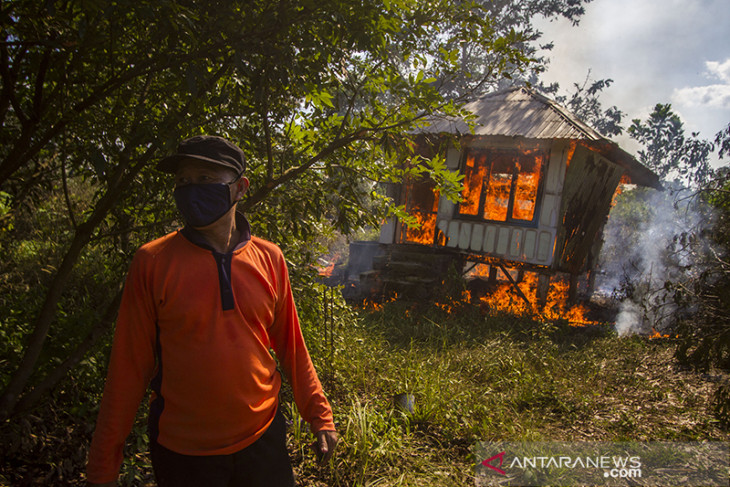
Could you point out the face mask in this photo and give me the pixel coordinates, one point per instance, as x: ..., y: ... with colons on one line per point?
x: 203, y: 204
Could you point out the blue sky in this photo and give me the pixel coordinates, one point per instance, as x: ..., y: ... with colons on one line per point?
x: 656, y: 51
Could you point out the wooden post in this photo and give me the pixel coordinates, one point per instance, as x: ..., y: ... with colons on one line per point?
x: 492, y: 275
x: 543, y: 286
x: 515, y: 286
x: 573, y: 289
x: 591, y: 282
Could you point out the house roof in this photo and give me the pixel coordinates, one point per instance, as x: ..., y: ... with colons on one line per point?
x: 521, y: 112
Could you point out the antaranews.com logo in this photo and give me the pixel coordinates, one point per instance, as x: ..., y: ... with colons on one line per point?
x: 613, y: 466
x: 602, y: 463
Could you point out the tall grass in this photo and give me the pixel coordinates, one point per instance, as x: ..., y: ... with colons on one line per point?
x: 476, y: 377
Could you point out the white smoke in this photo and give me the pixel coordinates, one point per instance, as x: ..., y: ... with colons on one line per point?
x: 628, y: 318
x: 653, y: 244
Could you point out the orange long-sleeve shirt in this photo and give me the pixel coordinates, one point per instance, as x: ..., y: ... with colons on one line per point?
x: 197, y: 326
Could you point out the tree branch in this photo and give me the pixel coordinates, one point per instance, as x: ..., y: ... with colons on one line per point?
x: 65, y: 193
x: 53, y: 378
x: 39, y: 82
x: 267, y: 135
x: 8, y: 88
x: 117, y: 183
x: 122, y: 177
x: 294, y: 172
x: 24, y: 149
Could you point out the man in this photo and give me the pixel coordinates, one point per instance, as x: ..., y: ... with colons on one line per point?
x: 202, y: 306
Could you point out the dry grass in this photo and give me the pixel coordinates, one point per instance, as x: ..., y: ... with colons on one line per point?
x: 478, y: 377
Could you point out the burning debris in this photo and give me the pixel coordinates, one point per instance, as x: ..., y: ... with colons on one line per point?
x: 325, y: 269
x: 555, y: 305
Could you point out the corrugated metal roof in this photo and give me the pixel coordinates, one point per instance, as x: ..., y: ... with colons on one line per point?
x: 517, y: 112
x: 521, y: 112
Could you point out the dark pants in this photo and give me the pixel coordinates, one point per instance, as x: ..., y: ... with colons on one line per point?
x: 265, y: 463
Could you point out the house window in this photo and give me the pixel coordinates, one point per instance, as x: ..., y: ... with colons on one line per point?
x: 421, y: 200
x: 502, y: 184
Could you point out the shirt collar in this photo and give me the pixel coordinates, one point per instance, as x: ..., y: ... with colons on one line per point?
x: 242, y: 224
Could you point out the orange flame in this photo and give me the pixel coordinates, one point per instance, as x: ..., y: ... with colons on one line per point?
x: 500, y: 184
x: 371, y: 305
x: 426, y: 230
x: 326, y: 271
x: 655, y: 334
x: 571, y: 150
x: 500, y: 179
x: 504, y: 298
x: 422, y: 202
x: 473, y: 179
x: 620, y: 188
x: 526, y: 185
x: 498, y: 189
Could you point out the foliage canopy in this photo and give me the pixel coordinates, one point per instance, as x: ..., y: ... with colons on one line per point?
x: 318, y: 94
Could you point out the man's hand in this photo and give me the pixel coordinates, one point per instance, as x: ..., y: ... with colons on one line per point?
x: 325, y: 446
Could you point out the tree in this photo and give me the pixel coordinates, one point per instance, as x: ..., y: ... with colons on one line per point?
x: 667, y: 151
x: 584, y: 102
x: 678, y: 277
x: 705, y: 339
x: 722, y: 141
x: 317, y: 93
x: 481, y: 71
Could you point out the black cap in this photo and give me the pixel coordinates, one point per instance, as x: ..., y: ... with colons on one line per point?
x: 208, y: 148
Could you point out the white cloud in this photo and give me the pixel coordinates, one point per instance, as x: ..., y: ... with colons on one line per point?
x: 714, y: 96
x: 656, y: 51
x: 719, y: 70
x: 711, y: 96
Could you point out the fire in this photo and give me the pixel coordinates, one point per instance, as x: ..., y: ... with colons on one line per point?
x: 499, y: 185
x: 326, y: 271
x: 473, y: 180
x: 620, y: 188
x: 571, y: 150
x: 422, y: 202
x: 502, y: 184
x: 655, y: 334
x: 371, y: 305
x: 498, y: 189
x: 425, y: 231
x: 557, y: 305
x: 528, y: 180
x: 503, y: 298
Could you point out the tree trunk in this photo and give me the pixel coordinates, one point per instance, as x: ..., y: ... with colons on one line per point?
x: 53, y: 378
x: 19, y: 378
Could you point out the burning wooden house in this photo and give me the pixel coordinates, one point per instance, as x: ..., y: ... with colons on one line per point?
x: 538, y: 186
